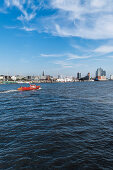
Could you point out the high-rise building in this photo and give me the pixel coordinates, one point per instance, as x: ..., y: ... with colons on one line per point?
x: 43, y: 74
x: 78, y: 75
x: 88, y: 75
x: 100, y: 74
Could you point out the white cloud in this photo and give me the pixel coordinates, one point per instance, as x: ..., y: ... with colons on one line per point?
x: 26, y: 16
x: 69, y: 56
x: 73, y: 56
x: 87, y: 19
x: 92, y: 19
x: 24, y: 7
x: 52, y: 55
x: 98, y: 4
x: 67, y: 64
x: 104, y: 49
x: 28, y: 29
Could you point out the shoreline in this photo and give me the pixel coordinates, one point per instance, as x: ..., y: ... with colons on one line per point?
x: 28, y: 82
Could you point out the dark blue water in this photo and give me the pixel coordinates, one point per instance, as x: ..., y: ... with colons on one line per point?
x: 61, y: 126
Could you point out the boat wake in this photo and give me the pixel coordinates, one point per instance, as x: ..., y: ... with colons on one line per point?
x: 8, y: 91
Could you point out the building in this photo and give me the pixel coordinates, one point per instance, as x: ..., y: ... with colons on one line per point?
x: 100, y: 74
x: 36, y: 79
x: 78, y: 75
x: 111, y: 77
x: 19, y: 77
x: 86, y: 78
x: 1, y: 78
x: 13, y: 78
x: 7, y: 78
x: 43, y: 74
x: 64, y: 79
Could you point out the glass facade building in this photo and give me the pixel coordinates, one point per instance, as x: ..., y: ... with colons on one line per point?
x: 100, y: 72
x: 78, y: 75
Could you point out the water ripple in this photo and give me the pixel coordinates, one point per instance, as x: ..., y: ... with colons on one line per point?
x: 61, y: 126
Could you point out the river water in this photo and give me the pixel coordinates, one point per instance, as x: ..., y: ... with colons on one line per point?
x: 61, y: 126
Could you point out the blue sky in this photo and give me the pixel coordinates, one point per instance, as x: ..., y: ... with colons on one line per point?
x: 57, y: 36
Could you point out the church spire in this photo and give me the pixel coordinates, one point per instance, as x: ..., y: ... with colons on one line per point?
x: 43, y: 73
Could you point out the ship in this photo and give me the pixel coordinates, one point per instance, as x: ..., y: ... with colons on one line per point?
x: 31, y: 87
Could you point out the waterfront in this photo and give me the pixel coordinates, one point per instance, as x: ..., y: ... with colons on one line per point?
x: 61, y: 126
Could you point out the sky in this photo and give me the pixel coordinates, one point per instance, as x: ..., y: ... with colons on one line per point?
x: 61, y: 37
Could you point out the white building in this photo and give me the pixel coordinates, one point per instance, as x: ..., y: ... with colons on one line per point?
x: 100, y: 74
x: 111, y: 77
x: 13, y: 78
x: 1, y: 78
x: 65, y: 79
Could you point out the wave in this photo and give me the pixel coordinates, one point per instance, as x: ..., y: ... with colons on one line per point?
x: 8, y: 91
x: 11, y: 91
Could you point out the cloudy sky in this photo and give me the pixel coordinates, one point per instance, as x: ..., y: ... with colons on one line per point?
x: 57, y: 36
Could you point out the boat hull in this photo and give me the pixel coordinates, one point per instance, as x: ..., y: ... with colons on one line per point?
x: 28, y: 88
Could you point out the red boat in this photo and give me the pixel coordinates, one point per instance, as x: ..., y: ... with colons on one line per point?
x: 31, y: 87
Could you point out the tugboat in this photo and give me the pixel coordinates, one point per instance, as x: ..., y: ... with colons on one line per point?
x: 31, y: 87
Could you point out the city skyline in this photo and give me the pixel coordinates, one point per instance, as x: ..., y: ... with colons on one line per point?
x: 99, y: 72
x: 61, y: 37
x: 9, y: 79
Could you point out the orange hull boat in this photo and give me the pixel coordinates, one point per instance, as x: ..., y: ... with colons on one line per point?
x: 31, y: 87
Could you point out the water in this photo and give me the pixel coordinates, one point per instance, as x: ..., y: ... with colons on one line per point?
x: 61, y: 126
